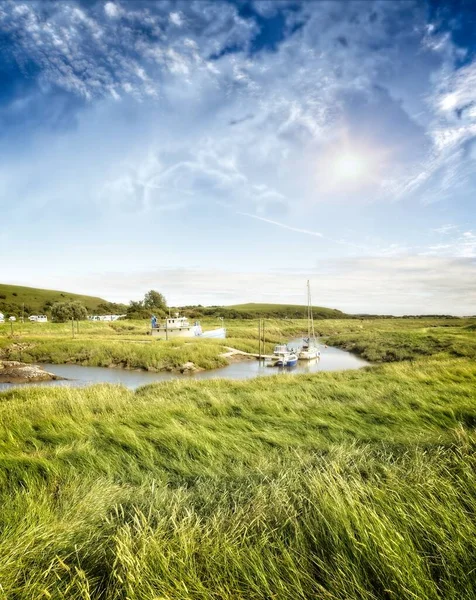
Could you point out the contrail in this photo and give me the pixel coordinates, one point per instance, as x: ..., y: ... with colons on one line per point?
x: 306, y: 231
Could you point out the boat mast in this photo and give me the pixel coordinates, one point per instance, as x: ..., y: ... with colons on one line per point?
x: 310, y: 316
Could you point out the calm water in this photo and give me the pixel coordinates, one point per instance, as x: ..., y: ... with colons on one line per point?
x: 332, y: 359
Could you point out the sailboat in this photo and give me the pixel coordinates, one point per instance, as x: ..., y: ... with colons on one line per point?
x: 309, y: 349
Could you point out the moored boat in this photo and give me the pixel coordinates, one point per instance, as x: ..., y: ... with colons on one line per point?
x: 178, y: 326
x: 309, y: 349
x: 173, y: 327
x: 283, y: 357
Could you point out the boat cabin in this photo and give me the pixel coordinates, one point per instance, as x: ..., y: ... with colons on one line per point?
x: 172, y: 327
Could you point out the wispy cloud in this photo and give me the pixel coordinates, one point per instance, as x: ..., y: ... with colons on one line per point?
x: 445, y: 229
x: 134, y: 120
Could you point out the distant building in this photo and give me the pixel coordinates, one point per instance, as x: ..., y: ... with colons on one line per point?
x: 38, y: 318
x: 106, y: 317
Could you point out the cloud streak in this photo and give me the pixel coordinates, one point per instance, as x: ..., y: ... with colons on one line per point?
x: 283, y: 225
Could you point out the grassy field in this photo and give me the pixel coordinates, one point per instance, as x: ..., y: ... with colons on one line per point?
x: 126, y: 343
x: 34, y: 299
x: 358, y: 485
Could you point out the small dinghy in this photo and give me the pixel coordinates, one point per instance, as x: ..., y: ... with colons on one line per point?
x: 283, y: 357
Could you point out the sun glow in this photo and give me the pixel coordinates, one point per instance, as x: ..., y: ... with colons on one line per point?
x: 349, y: 166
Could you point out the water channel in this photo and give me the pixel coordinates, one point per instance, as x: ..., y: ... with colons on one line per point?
x: 332, y: 359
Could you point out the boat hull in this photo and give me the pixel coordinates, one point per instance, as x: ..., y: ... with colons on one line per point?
x: 214, y: 333
x: 286, y: 362
x: 167, y: 334
x: 309, y: 354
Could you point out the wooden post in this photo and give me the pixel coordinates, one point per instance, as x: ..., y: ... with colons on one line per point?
x: 72, y: 327
x: 11, y: 327
x: 262, y: 331
x: 167, y: 328
x: 259, y: 339
x: 77, y: 326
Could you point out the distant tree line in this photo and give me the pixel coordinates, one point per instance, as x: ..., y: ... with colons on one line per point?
x: 279, y: 312
x: 154, y: 303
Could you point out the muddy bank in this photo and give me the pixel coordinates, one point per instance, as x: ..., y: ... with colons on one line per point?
x: 12, y: 371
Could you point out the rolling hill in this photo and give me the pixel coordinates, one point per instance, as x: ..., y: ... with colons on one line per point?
x: 291, y: 311
x: 36, y: 300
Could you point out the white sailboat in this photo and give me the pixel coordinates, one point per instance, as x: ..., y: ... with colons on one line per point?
x: 309, y: 349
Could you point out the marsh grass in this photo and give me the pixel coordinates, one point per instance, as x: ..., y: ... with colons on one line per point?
x: 389, y: 340
x: 126, y: 343
x: 357, y: 485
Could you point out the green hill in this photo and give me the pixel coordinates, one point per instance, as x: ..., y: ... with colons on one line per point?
x: 13, y: 297
x: 257, y: 311
x: 291, y: 311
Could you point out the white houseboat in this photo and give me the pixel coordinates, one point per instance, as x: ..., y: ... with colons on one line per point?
x: 174, y: 327
x: 178, y: 326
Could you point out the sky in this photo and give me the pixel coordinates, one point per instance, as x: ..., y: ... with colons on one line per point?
x: 227, y: 151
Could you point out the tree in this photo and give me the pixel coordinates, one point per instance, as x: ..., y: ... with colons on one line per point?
x: 65, y: 311
x: 110, y: 308
x: 155, y: 300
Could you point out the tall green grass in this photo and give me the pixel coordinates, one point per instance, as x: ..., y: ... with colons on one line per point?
x: 389, y: 340
x: 355, y: 485
x: 150, y: 355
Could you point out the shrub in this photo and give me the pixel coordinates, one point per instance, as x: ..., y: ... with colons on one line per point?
x: 65, y: 311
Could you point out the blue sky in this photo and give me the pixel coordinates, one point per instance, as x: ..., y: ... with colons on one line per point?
x: 227, y: 151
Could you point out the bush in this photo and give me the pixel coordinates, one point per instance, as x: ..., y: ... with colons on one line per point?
x: 66, y: 311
